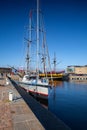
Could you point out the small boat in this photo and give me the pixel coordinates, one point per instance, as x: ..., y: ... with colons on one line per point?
x: 37, y: 87
x: 31, y: 81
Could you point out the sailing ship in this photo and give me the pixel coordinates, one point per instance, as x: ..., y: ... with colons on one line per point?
x: 31, y: 81
x: 56, y: 75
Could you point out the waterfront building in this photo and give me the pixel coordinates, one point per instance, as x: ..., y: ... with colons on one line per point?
x: 77, y: 69
x: 5, y: 70
x: 77, y: 72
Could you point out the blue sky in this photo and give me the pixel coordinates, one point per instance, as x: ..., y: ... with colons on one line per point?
x: 65, y: 24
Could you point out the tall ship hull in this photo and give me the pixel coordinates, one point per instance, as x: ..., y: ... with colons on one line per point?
x: 54, y: 75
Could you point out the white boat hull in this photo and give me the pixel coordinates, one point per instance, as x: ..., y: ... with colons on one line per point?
x: 37, y: 90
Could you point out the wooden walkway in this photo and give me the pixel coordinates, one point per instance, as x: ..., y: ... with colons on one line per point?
x: 24, y: 112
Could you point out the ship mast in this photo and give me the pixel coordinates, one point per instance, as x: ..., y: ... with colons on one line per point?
x: 54, y: 62
x: 37, y: 68
x: 27, y: 58
x: 28, y: 45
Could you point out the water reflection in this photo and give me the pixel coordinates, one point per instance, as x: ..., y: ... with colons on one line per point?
x: 68, y: 101
x: 43, y: 102
x: 78, y: 82
x: 56, y: 83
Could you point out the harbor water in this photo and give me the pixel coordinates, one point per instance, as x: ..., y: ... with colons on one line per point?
x: 68, y: 101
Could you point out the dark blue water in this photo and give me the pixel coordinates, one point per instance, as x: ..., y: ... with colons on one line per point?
x: 68, y: 101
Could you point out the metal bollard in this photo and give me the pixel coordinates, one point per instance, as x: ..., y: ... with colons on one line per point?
x: 10, y: 96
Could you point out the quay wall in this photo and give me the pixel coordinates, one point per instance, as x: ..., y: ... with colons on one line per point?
x: 78, y: 77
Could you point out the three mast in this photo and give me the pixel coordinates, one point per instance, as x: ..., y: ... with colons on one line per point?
x: 37, y: 41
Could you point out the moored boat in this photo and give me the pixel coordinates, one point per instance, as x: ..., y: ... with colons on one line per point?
x: 54, y: 75
x: 37, y: 87
x: 33, y: 83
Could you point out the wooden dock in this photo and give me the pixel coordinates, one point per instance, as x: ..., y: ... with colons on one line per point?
x: 24, y: 112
